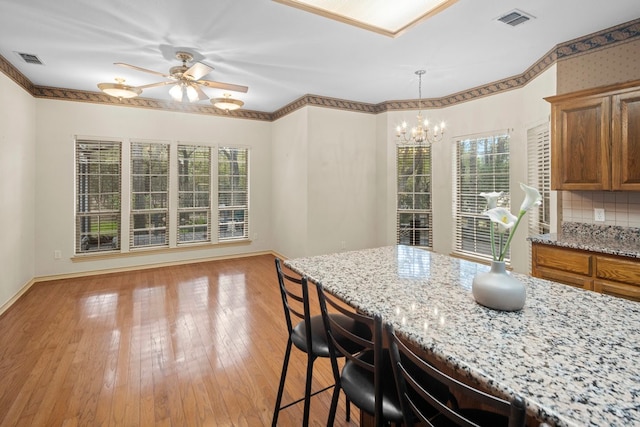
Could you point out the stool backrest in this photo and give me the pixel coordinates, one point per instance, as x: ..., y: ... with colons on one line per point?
x: 295, y: 300
x: 361, y: 346
x: 415, y: 395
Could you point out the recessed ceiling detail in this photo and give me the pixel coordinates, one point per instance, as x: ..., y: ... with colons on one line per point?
x: 381, y: 16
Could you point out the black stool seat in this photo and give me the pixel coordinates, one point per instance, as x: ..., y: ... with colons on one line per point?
x: 307, y: 333
x: 367, y: 375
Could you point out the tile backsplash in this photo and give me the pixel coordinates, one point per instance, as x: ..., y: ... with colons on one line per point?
x: 621, y: 208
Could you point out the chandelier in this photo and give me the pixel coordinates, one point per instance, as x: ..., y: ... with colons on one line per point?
x: 420, y: 134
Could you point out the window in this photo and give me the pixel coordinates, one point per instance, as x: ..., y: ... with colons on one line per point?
x: 172, y: 187
x: 482, y: 166
x: 194, y: 207
x: 98, y: 165
x: 233, y: 190
x: 539, y: 176
x: 149, y: 194
x: 414, y: 218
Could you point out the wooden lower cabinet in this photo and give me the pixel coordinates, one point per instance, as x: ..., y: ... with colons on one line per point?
x: 607, y: 274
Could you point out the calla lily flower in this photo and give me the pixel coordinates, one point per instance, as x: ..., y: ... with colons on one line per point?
x: 532, y: 198
x: 492, y: 198
x: 506, y: 220
x: 501, y: 216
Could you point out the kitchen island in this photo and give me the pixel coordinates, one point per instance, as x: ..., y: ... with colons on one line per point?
x: 572, y: 355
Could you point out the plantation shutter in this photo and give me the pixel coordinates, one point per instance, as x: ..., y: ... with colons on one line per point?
x: 539, y: 176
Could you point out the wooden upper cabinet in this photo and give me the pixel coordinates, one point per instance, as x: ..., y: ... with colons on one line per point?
x: 626, y: 133
x: 595, y: 139
x: 580, y: 156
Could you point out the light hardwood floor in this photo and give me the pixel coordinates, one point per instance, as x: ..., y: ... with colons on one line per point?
x: 196, y: 344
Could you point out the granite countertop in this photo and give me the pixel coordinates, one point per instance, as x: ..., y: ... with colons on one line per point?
x: 610, y: 240
x: 571, y: 354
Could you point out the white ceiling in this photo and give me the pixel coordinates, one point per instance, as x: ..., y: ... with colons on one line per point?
x: 282, y: 53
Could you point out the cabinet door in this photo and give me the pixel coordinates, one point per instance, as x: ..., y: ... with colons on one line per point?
x: 580, y: 148
x: 625, y: 141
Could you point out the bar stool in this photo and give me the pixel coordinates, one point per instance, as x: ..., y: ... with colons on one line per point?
x: 307, y: 334
x: 415, y: 380
x: 367, y: 376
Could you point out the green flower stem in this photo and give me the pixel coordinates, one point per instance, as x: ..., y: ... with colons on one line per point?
x: 493, y: 240
x: 503, y: 252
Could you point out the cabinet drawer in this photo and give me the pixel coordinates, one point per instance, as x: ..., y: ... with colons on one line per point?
x: 618, y: 289
x: 618, y: 270
x: 566, y: 278
x: 563, y: 259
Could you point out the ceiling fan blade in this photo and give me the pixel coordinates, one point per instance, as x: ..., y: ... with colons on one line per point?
x: 220, y: 85
x: 134, y: 67
x: 201, y: 95
x: 197, y: 71
x: 169, y: 82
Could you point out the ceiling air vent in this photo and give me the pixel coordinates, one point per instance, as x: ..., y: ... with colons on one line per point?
x: 515, y: 17
x: 30, y: 58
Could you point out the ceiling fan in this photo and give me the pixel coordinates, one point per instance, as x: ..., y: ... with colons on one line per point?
x: 186, y: 81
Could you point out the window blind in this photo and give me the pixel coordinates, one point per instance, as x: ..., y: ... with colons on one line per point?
x: 414, y: 212
x: 149, y: 194
x: 98, y: 195
x: 482, y: 166
x: 539, y: 176
x: 194, y: 191
x: 233, y: 191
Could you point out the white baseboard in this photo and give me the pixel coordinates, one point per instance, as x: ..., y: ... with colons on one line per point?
x: 17, y: 296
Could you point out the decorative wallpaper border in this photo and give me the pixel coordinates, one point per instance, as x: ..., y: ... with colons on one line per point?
x: 12, y: 72
x: 100, y: 98
x: 619, y: 34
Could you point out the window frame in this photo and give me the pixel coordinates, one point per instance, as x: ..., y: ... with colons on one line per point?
x: 158, y: 216
x: 468, y: 205
x: 420, y: 220
x: 82, y: 210
x: 239, y: 212
x: 196, y: 208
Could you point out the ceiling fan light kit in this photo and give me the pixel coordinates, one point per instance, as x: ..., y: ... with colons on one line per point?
x: 185, y: 80
x: 227, y: 103
x: 119, y: 89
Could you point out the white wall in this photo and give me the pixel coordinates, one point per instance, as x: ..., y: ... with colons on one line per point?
x: 289, y: 184
x: 57, y: 124
x: 342, y: 180
x: 17, y: 188
x: 324, y: 181
x: 516, y: 110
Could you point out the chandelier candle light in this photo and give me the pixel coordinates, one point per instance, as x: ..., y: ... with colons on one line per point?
x: 420, y: 133
x: 497, y: 289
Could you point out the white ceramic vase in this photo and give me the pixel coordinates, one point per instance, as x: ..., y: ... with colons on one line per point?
x: 498, y: 290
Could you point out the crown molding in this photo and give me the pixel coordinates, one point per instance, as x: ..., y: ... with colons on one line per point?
x: 622, y: 33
